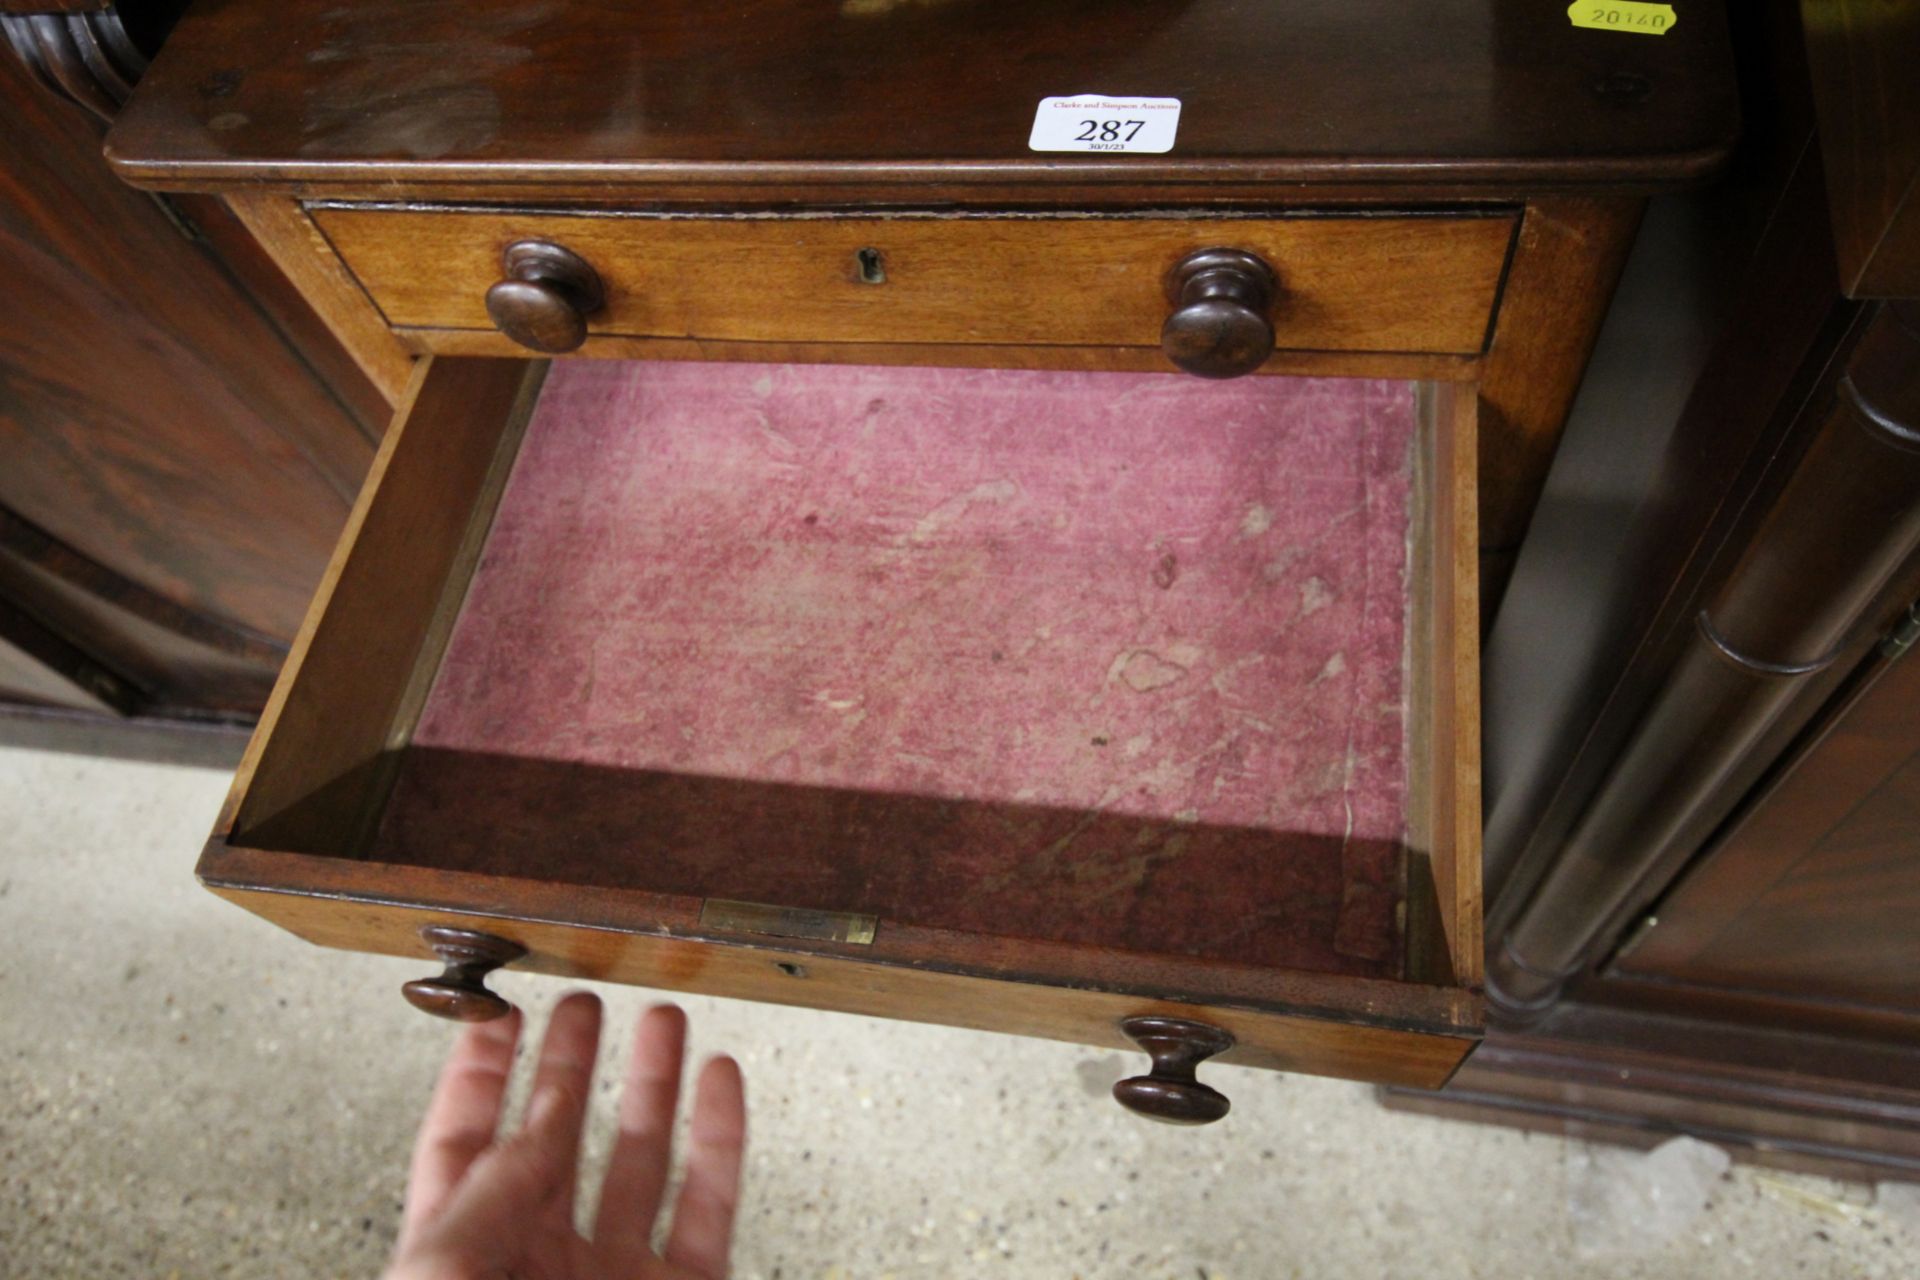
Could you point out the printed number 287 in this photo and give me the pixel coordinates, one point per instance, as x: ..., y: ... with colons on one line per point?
x: 1108, y: 130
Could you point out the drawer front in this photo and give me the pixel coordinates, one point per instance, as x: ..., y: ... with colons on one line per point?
x: 1275, y: 1041
x: 1390, y: 283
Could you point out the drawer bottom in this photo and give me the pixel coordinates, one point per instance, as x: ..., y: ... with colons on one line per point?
x: 1112, y: 659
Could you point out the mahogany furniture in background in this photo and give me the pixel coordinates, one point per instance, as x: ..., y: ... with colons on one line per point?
x: 181, y: 435
x: 1703, y: 716
x: 851, y: 184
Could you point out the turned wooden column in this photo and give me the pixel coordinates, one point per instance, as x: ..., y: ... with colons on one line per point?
x: 1842, y: 525
x: 81, y: 52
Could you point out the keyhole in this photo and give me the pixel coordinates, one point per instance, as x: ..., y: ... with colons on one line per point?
x: 873, y: 268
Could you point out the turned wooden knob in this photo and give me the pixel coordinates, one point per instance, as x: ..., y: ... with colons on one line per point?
x: 460, y: 992
x: 1170, y: 1093
x: 546, y: 297
x: 1220, y: 326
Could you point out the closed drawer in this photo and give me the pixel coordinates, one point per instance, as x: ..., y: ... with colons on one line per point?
x: 1386, y: 283
x: 1032, y: 701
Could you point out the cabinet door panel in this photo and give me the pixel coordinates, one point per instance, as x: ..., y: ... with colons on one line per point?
x: 156, y: 425
x: 1813, y: 894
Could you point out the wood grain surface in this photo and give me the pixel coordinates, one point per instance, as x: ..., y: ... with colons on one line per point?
x: 1861, y: 55
x: 40, y: 669
x: 971, y: 355
x: 285, y: 233
x: 339, y: 704
x: 1276, y: 1041
x: 608, y: 99
x: 1813, y: 892
x: 1794, y: 602
x: 1444, y: 811
x: 156, y: 426
x: 1569, y: 255
x: 1387, y: 284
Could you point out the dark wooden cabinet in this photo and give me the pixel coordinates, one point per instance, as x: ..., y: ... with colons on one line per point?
x: 1811, y: 893
x: 1703, y: 847
x: 180, y: 437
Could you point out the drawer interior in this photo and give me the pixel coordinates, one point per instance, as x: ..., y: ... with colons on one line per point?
x: 1135, y: 668
x: 1114, y: 659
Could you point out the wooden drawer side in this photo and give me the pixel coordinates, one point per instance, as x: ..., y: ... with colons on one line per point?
x: 313, y: 773
x: 1444, y: 808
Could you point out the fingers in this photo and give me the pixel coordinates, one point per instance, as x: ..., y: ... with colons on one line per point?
x: 637, y: 1169
x: 703, y: 1215
x: 461, y: 1118
x: 499, y: 1206
x: 566, y: 1069
x: 469, y: 1196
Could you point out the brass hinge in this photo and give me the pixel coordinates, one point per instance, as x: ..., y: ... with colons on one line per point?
x: 724, y: 916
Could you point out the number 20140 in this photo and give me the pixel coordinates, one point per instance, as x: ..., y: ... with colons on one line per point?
x: 1616, y: 18
x: 1108, y: 130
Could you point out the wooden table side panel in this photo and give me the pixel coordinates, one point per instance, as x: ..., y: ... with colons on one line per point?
x: 1571, y: 251
x: 289, y: 237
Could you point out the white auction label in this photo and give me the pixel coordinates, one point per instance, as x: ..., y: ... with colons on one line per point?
x: 1102, y: 122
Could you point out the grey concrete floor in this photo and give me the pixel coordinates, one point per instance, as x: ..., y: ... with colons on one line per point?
x: 189, y: 1092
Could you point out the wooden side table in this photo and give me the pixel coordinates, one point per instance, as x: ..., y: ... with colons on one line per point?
x: 571, y: 681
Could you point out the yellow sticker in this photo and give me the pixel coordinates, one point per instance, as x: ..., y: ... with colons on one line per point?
x: 1635, y: 16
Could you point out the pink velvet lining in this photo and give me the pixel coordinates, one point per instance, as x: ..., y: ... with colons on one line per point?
x: 1141, y: 603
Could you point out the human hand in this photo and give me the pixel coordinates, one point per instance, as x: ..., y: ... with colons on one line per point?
x: 485, y: 1208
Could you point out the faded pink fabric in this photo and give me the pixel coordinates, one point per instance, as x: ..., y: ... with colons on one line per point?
x: 1133, y: 596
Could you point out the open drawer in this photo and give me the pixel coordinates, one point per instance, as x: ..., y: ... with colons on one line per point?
x: 1030, y: 701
